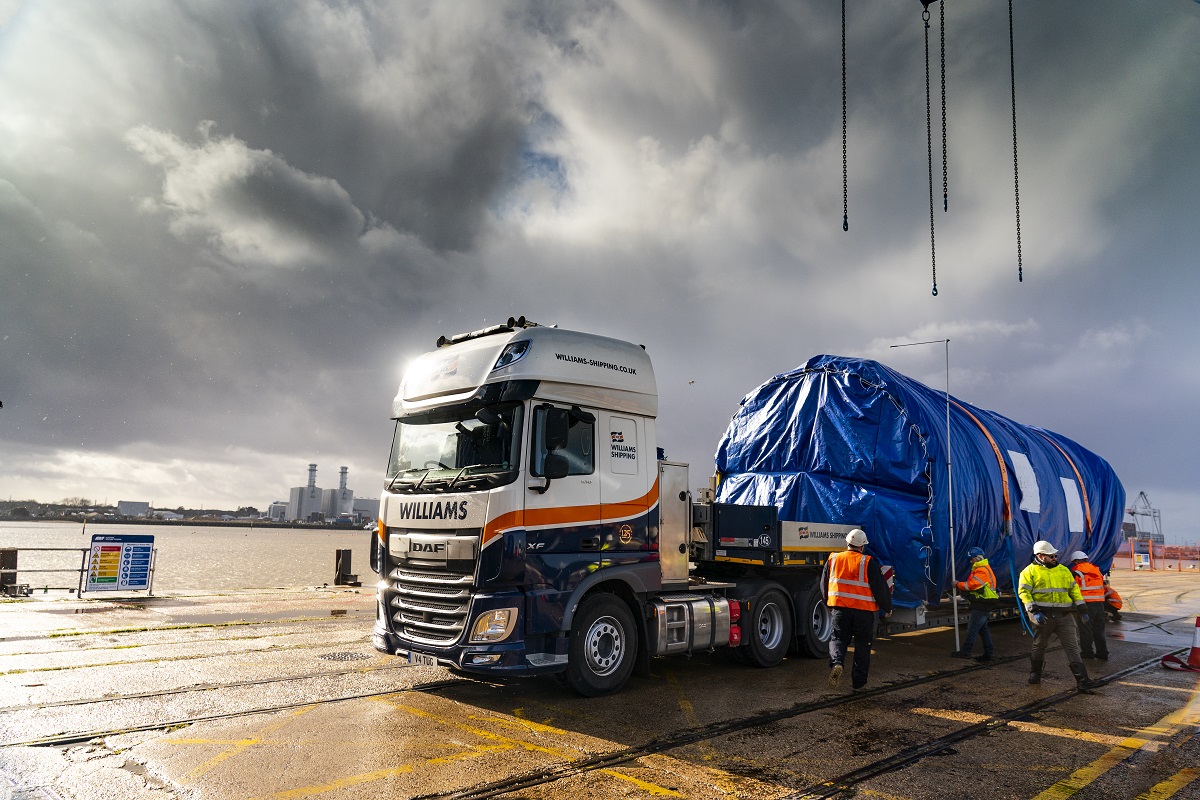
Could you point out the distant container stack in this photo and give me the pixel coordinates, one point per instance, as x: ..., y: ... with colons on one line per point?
x: 852, y: 442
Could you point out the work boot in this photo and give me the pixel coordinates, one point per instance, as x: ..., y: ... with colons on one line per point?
x: 959, y: 654
x: 835, y: 676
x: 1082, y: 681
x: 985, y: 658
x: 1035, y: 671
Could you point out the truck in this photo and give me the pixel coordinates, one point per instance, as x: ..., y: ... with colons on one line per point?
x: 530, y: 523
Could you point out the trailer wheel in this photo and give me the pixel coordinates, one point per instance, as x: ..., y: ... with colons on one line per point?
x: 767, y: 630
x: 603, y: 646
x: 815, y: 624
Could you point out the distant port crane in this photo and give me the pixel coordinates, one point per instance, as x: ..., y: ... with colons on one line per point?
x: 1142, y: 508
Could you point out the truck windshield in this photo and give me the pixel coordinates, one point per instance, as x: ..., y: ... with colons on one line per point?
x: 456, y: 449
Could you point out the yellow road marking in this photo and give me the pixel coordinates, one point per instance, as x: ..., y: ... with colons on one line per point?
x: 1156, y: 686
x: 519, y: 713
x: 1161, y: 791
x: 1168, y: 726
x: 1026, y: 727
x: 242, y: 744
x: 487, y: 734
x: 724, y: 780
x: 520, y: 722
x: 652, y: 788
x: 342, y: 783
x: 475, y: 751
x: 536, y: 728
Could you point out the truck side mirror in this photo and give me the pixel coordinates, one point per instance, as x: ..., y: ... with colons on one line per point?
x: 558, y: 424
x: 556, y: 466
x: 488, y: 416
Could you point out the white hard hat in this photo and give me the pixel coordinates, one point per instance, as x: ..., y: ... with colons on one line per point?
x: 1079, y: 555
x: 1044, y: 548
x: 856, y: 538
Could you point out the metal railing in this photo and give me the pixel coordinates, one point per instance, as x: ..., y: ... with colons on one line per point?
x: 10, y: 570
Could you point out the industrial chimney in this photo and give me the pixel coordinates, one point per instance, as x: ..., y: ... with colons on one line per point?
x: 312, y: 480
x: 342, y: 485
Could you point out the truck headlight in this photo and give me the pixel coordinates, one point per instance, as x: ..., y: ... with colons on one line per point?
x: 493, y: 626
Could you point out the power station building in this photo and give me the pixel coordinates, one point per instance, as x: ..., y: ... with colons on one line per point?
x: 311, y: 503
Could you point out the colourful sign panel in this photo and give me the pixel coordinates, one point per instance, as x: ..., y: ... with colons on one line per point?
x: 119, y: 563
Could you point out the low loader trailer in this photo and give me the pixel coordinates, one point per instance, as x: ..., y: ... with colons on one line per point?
x: 530, y: 524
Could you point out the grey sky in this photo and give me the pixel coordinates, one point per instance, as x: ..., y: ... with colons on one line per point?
x: 224, y: 227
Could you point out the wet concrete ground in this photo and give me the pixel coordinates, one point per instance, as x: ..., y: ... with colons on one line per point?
x: 263, y: 694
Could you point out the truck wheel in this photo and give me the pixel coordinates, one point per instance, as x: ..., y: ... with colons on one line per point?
x: 815, y: 625
x: 767, y: 629
x: 603, y: 646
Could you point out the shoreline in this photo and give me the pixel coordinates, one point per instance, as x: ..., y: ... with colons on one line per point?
x: 212, y: 523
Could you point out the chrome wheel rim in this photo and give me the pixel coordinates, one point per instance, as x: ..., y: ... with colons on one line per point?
x: 604, y: 646
x: 770, y: 626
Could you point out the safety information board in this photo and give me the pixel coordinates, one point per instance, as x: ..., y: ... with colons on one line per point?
x: 119, y: 562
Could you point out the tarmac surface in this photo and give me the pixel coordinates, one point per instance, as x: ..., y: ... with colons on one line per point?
x: 279, y: 694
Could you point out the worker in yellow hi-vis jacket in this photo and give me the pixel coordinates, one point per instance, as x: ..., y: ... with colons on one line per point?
x: 1052, y: 599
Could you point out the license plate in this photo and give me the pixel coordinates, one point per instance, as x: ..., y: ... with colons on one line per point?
x: 421, y: 660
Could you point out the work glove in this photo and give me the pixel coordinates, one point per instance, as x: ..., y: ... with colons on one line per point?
x: 1039, y: 618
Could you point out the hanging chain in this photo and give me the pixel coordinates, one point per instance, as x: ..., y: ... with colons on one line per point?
x: 1012, y: 66
x: 945, y: 183
x: 929, y: 150
x: 845, y: 181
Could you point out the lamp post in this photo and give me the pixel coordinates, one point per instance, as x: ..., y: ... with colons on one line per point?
x: 949, y: 481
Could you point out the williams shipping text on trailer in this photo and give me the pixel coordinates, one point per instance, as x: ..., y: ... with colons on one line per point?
x: 529, y: 525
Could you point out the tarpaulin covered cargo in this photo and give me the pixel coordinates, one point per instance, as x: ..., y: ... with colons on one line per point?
x: 849, y: 441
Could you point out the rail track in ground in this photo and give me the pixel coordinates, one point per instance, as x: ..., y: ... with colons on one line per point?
x: 826, y: 789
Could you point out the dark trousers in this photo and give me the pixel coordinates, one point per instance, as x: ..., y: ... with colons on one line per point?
x: 1063, y: 626
x: 1091, y: 640
x: 978, y: 626
x: 857, y: 626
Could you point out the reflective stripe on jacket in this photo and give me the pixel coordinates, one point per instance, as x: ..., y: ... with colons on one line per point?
x: 1112, y: 598
x: 1090, y: 580
x: 1049, y: 588
x: 982, y: 582
x: 848, y: 585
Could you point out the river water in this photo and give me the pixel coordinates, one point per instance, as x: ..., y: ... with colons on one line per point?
x: 196, y: 558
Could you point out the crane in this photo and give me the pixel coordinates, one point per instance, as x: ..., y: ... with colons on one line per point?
x: 1142, y: 508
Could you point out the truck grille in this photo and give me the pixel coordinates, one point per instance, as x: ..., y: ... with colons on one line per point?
x: 430, y: 604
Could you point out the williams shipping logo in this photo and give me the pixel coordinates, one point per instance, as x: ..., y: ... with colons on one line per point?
x: 592, y: 362
x: 433, y: 509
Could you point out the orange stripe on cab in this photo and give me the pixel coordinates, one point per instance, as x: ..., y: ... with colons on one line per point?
x: 569, y: 515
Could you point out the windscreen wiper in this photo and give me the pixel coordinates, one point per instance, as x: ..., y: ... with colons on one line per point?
x: 397, y: 476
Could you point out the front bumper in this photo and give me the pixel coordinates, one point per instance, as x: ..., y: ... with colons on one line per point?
x: 513, y: 656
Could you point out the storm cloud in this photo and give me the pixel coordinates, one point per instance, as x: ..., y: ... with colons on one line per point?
x: 225, y: 228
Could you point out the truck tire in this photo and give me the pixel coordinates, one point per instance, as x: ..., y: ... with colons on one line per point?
x: 767, y: 628
x: 603, y: 646
x: 814, y: 624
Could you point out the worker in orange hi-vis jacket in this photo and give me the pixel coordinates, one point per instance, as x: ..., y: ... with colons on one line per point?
x: 855, y: 591
x: 1092, y: 643
x: 1112, y: 601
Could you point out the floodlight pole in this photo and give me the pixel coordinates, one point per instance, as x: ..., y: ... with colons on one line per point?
x: 949, y: 483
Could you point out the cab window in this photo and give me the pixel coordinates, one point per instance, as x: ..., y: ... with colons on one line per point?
x: 580, y: 451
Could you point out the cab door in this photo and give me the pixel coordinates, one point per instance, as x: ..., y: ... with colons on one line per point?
x: 625, y: 484
x: 562, y: 514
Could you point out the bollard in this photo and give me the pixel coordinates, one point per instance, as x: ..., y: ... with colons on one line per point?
x: 341, y: 569
x: 8, y: 568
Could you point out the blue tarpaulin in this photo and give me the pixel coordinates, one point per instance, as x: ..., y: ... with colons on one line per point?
x: 849, y: 441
